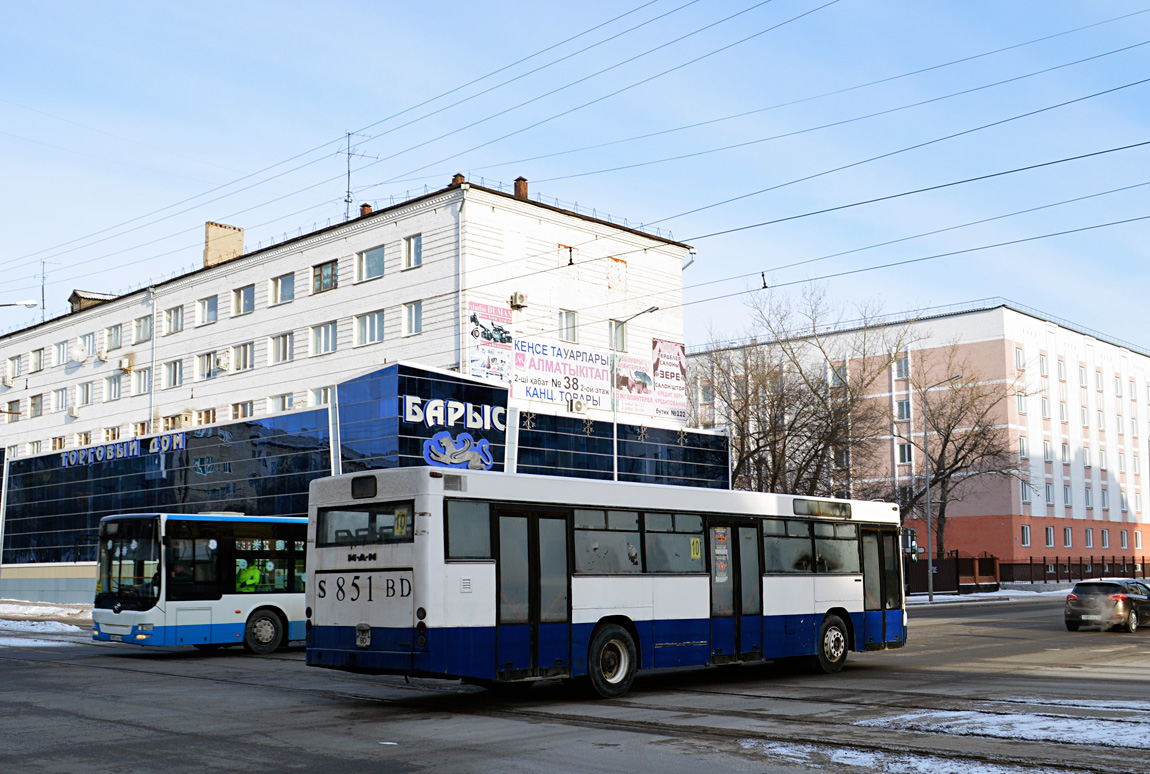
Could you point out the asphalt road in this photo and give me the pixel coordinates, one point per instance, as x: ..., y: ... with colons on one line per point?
x: 991, y: 688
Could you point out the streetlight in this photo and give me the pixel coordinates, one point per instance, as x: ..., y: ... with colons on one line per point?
x: 22, y: 303
x: 926, y: 453
x: 614, y: 410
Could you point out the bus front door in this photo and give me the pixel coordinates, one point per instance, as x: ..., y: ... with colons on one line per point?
x: 882, y: 589
x: 533, y: 635
x: 736, y: 594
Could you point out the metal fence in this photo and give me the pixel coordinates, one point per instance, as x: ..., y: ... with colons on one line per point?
x: 1057, y: 569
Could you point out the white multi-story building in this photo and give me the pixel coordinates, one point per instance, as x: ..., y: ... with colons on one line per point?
x: 440, y: 280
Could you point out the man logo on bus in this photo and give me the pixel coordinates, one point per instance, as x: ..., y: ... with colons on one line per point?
x: 462, y: 451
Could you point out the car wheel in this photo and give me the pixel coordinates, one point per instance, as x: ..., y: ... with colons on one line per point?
x: 1132, y: 621
x: 1072, y: 626
x: 611, y: 661
x: 263, y: 633
x: 832, y: 645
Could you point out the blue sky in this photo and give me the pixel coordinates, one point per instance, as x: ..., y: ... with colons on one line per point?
x: 114, y: 111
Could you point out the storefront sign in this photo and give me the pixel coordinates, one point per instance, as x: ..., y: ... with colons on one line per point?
x: 490, y: 341
x: 123, y: 450
x: 669, y: 366
x: 555, y: 372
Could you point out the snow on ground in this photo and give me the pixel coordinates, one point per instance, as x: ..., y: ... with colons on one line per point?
x: 43, y: 627
x: 849, y: 760
x: 1006, y: 595
x: 14, y: 608
x: 1063, y: 729
x: 32, y: 642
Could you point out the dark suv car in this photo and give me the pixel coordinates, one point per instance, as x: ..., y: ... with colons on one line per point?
x: 1110, y: 603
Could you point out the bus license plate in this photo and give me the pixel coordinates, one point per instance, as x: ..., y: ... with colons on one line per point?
x: 1091, y: 618
x: 362, y: 635
x: 116, y: 637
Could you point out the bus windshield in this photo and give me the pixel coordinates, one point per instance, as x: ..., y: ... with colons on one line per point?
x: 129, y: 564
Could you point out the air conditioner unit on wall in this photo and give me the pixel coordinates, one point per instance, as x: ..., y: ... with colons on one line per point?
x: 221, y: 361
x: 518, y: 300
x: 6, y: 381
x: 125, y: 364
x: 576, y: 406
x: 73, y: 412
x: 101, y: 355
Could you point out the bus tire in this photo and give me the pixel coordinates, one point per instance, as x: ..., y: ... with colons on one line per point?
x: 611, y: 661
x: 832, y: 645
x: 264, y: 632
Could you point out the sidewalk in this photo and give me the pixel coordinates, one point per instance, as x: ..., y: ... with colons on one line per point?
x: 18, y: 610
x: 1005, y: 595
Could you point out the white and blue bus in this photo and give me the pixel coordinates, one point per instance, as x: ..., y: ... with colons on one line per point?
x: 495, y: 577
x: 206, y: 580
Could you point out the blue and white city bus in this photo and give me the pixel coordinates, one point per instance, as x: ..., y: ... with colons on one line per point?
x: 495, y: 577
x: 206, y: 580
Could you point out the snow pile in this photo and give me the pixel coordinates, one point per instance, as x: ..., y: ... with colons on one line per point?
x: 43, y: 627
x: 1062, y: 729
x: 14, y: 608
x: 32, y: 642
x: 852, y: 760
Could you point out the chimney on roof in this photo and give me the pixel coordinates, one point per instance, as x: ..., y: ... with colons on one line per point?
x: 458, y: 179
x: 364, y: 209
x: 520, y: 187
x: 222, y: 243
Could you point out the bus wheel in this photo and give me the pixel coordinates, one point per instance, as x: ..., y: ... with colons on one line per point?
x: 264, y: 632
x: 832, y: 645
x: 611, y: 661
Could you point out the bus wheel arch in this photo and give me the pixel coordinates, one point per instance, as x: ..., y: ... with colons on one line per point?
x: 613, y: 657
x: 265, y: 631
x: 832, y: 644
x: 848, y: 622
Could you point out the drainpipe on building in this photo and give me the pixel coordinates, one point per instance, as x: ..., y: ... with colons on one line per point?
x: 152, y: 365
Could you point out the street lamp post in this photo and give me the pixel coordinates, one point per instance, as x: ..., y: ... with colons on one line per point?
x: 926, y: 454
x: 23, y: 303
x: 614, y: 410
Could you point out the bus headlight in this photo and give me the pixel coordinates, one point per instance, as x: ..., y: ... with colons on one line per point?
x: 142, y: 636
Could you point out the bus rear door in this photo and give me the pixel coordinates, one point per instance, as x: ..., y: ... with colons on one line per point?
x: 736, y: 593
x: 882, y: 589
x: 533, y: 632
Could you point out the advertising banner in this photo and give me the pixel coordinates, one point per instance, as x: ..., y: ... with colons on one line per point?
x: 556, y: 372
x: 634, y: 385
x: 669, y: 369
x: 490, y: 351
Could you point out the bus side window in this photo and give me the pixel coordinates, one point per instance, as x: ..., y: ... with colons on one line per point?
x: 674, y: 542
x: 468, y: 530
x: 787, y: 546
x: 607, y: 542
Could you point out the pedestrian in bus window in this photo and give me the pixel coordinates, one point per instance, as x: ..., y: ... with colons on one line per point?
x: 247, y: 577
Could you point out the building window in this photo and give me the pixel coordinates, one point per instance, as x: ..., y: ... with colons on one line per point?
x: 84, y: 394
x: 1088, y: 495
x: 1085, y: 416
x: 142, y: 381
x: 59, y: 399
x: 13, y: 367
x: 323, y: 338
x: 1122, y: 542
x: 1066, y: 495
x: 1065, y: 454
x: 206, y: 416
x: 1138, y: 502
x: 173, y: 320
x: 1025, y: 534
x: 1049, y: 494
x: 1106, y: 538
x: 1025, y: 491
x: 84, y: 438
x: 139, y: 428
x: 1101, y: 421
x: 114, y: 336
x: 321, y: 396
x: 1138, y: 538
x: 36, y: 360
x: 283, y: 348
x: 1063, y: 412
x: 61, y: 353
x: 369, y: 328
x: 617, y: 335
x: 1020, y: 398
x: 206, y: 310
x: 243, y: 300
x: 1067, y: 537
x: 243, y: 357
x: 1118, y: 386
x: 1050, y: 537
x: 1019, y: 359
x: 1102, y: 459
x: 1045, y: 407
x: 1090, y: 537
x: 1023, y: 447
x: 112, y: 388
x: 902, y: 368
x: 143, y: 330
x: 111, y: 434
x: 1125, y: 501
x: 413, y: 251
x: 369, y: 264
x: 174, y: 373
x: 277, y: 403
x: 58, y: 443
x: 904, y: 454
x: 1042, y: 365
x: 324, y: 277
x: 902, y: 410
x: 36, y: 406
x: 170, y: 422
x: 1085, y: 456
x: 1098, y: 381
x: 283, y: 289
x: 88, y: 344
x: 1121, y: 462
x: 1061, y: 370
x: 242, y: 410
x: 567, y: 325
x: 1118, y: 424
x: 1048, y: 451
x: 1105, y: 499
x: 206, y: 366
x: 413, y: 318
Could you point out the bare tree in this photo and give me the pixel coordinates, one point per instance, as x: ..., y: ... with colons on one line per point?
x: 795, y: 397
x: 969, y: 443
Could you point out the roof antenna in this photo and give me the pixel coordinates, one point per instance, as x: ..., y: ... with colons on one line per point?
x: 347, y: 200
